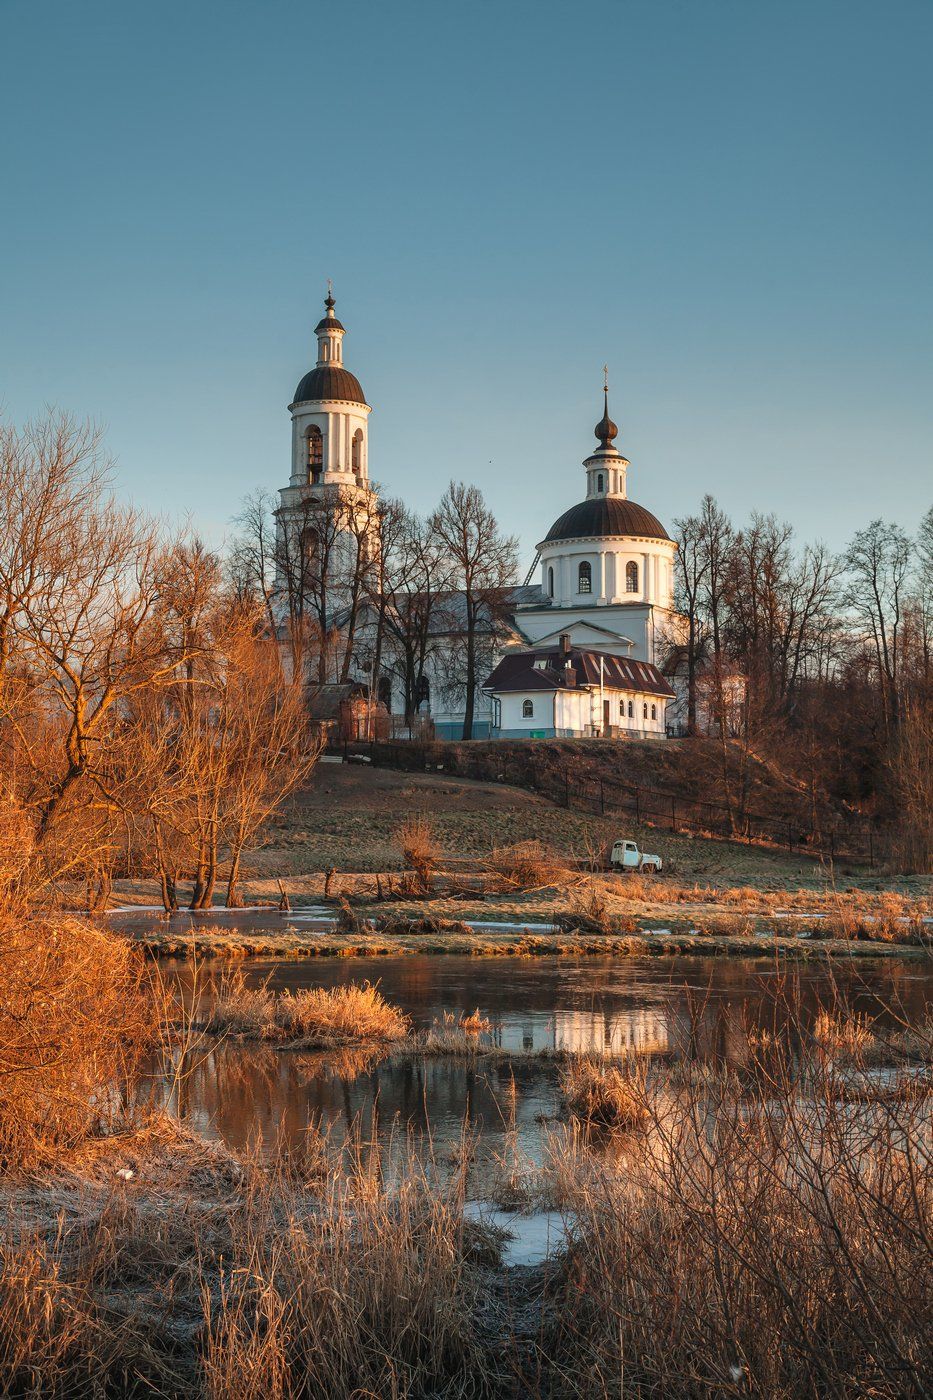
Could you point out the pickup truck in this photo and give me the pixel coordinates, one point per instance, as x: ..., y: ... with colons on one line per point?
x: 625, y: 855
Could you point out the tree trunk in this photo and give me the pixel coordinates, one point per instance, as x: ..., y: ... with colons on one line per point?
x: 470, y: 680
x: 200, y: 876
x: 233, y: 879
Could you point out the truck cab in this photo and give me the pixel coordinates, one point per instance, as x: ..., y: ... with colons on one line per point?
x: 625, y: 855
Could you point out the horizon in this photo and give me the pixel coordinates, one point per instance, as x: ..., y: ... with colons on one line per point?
x: 730, y: 211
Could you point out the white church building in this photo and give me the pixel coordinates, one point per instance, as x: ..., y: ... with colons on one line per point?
x: 578, y: 653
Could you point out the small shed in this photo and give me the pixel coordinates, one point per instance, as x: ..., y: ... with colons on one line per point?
x: 348, y: 712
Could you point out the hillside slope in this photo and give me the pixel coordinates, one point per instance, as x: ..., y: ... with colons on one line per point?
x: 688, y: 770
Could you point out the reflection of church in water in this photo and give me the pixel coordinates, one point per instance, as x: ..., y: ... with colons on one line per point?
x: 639, y: 1030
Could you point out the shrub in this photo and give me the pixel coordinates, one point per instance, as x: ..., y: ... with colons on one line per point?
x: 419, y: 850
x: 75, y: 1015
x: 528, y: 865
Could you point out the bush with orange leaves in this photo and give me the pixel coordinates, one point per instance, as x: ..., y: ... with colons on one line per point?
x: 75, y: 1015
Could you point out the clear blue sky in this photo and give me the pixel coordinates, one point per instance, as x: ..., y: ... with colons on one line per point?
x: 727, y: 200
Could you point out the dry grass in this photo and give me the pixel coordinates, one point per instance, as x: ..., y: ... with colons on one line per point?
x: 848, y: 1035
x: 314, y: 1018
x: 603, y: 1094
x: 529, y: 865
x: 748, y: 1239
x: 590, y: 911
x: 75, y: 1015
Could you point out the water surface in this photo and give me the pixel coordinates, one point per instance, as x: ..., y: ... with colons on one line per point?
x: 251, y: 1095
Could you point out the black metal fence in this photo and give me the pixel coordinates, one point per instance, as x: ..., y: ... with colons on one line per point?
x: 645, y: 805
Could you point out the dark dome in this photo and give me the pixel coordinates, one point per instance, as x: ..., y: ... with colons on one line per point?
x: 329, y: 382
x: 606, y: 515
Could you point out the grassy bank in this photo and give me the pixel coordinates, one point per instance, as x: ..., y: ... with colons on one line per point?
x: 763, y: 1230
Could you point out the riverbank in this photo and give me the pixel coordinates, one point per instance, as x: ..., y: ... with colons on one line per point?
x: 150, y: 1262
x: 163, y: 941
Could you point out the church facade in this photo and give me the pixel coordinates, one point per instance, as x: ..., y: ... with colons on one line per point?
x: 578, y: 652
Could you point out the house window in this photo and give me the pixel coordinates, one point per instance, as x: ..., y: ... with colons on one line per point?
x: 622, y: 709
x: 315, y: 450
x: 423, y: 694
x: 654, y: 711
x: 550, y: 583
x: 585, y: 578
x: 357, y: 451
x: 599, y: 482
x: 631, y: 710
x: 528, y: 710
x: 645, y: 709
x: 631, y: 578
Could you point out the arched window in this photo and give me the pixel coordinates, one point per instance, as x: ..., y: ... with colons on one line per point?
x: 357, y: 451
x: 528, y: 709
x: 599, y: 482
x: 631, y: 578
x: 423, y: 695
x: 645, y: 709
x: 622, y: 709
x: 654, y: 711
x: 585, y: 578
x: 315, y: 450
x: 550, y: 583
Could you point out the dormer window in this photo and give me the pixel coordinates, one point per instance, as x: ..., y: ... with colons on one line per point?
x: 585, y: 577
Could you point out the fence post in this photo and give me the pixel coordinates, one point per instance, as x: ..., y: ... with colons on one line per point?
x: 602, y: 800
x: 673, y: 815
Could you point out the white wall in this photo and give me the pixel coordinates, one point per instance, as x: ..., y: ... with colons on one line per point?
x: 580, y: 710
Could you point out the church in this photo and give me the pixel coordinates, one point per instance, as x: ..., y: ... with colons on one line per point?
x: 577, y: 651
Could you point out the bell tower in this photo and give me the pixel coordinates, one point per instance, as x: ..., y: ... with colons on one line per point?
x: 326, y: 513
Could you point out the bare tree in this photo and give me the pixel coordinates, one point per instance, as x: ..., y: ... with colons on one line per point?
x: 483, y: 563
x: 692, y: 570
x: 878, y: 563
x: 414, y: 581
